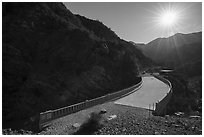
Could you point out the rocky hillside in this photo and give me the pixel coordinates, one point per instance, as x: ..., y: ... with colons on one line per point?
x: 52, y: 58
x: 108, y: 36
x: 99, y: 29
x: 176, y: 50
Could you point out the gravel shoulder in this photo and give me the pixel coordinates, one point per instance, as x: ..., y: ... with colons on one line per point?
x: 64, y: 124
x: 129, y: 121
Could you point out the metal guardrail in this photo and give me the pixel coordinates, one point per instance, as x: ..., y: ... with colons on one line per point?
x: 160, y: 108
x: 48, y: 116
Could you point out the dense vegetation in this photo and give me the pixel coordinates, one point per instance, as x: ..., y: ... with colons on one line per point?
x: 99, y: 29
x: 52, y: 58
x: 187, y: 93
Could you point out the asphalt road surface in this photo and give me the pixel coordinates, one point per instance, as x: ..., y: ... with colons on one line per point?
x: 152, y: 91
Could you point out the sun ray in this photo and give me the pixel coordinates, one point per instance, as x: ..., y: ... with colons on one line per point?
x: 166, y: 18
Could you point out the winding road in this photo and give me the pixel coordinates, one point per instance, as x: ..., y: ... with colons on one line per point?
x: 152, y: 91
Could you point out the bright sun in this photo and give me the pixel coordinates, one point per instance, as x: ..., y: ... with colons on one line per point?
x: 168, y: 18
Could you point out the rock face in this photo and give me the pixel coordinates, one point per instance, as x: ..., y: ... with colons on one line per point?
x: 53, y: 58
x: 176, y: 50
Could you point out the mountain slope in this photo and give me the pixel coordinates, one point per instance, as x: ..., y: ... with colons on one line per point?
x: 99, y: 29
x: 52, y: 58
x: 175, y: 50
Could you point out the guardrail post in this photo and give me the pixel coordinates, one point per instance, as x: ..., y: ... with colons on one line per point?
x: 149, y: 110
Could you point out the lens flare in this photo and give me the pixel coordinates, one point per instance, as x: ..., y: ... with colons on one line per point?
x: 168, y: 18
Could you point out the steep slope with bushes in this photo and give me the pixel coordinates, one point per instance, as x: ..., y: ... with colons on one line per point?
x: 52, y: 58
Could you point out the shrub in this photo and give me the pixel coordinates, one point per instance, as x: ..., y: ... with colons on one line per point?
x: 92, y: 124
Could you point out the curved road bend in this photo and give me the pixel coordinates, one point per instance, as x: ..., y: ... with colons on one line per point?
x: 152, y: 91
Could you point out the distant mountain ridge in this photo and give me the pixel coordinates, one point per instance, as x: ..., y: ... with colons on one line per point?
x: 175, y: 50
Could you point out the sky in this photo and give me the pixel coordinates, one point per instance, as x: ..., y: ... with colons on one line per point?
x: 142, y: 22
